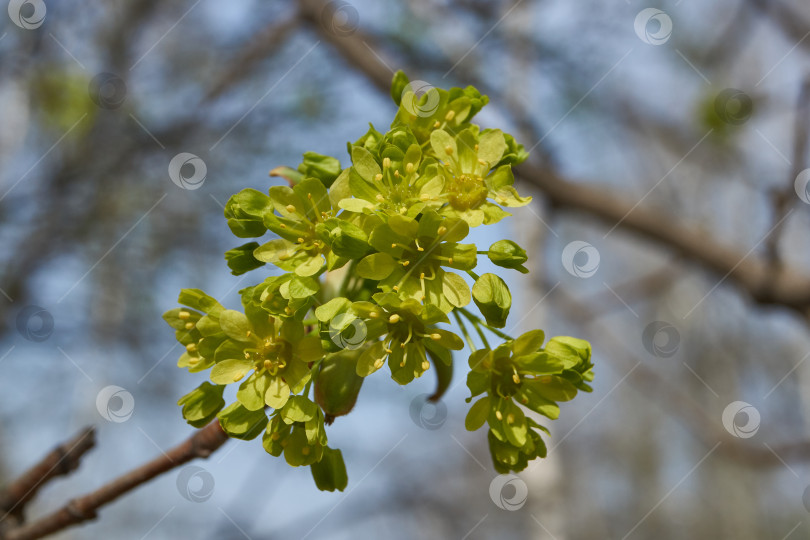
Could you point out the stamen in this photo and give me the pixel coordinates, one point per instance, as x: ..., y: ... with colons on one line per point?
x: 386, y: 162
x: 498, y: 415
x: 290, y: 208
x: 393, y: 319
x: 183, y: 315
x: 378, y: 177
x: 189, y: 325
x: 191, y: 347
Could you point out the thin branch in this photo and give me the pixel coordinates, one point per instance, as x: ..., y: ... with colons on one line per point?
x: 61, y: 461
x: 200, y: 445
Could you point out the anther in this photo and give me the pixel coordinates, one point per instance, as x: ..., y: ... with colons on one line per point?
x: 498, y: 415
x: 435, y: 337
x: 191, y: 347
x: 386, y: 162
x: 442, y: 230
x: 409, y: 168
x: 449, y: 116
x: 393, y: 319
x: 448, y: 150
x: 378, y: 363
x: 378, y: 177
x: 184, y: 315
x: 189, y: 325
x: 290, y: 208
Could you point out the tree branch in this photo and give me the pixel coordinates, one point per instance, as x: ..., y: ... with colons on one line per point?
x: 200, y: 445
x: 61, y: 461
x: 762, y: 281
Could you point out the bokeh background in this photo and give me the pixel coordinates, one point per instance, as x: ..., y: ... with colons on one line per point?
x: 670, y: 226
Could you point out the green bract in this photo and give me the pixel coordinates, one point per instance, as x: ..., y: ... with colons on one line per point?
x: 371, y: 261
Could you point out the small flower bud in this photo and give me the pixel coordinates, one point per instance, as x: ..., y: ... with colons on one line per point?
x: 425, y: 365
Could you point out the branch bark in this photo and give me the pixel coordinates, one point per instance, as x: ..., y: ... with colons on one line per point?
x: 61, y: 461
x: 200, y: 445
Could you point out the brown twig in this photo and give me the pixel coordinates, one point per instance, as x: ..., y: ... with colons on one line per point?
x: 200, y: 445
x: 61, y: 461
